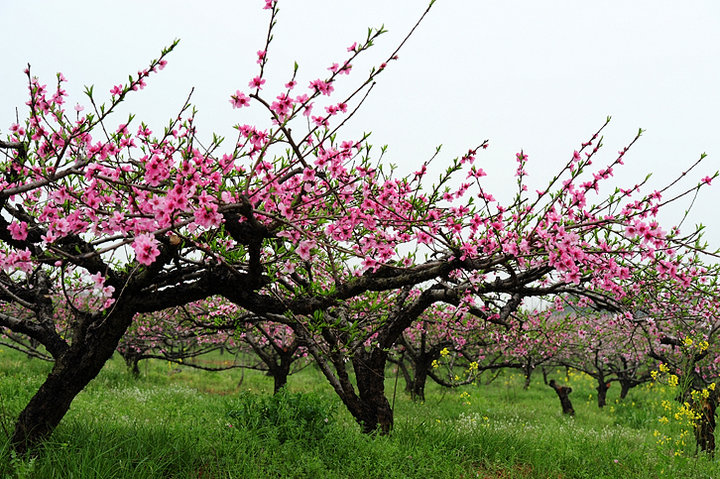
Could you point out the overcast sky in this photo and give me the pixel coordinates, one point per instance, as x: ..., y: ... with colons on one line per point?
x: 532, y: 75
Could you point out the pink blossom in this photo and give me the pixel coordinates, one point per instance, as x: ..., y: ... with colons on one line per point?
x: 308, y: 174
x: 304, y: 249
x: 208, y: 216
x: 256, y: 82
x: 321, y: 86
x: 18, y: 231
x: 146, y: 250
x: 98, y: 280
x: 239, y: 100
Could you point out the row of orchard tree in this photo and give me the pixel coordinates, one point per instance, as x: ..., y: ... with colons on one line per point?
x: 295, y: 240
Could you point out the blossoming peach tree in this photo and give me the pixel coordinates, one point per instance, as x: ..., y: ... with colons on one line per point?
x: 289, y: 222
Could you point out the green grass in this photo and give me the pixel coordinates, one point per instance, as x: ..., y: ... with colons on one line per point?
x: 183, y: 423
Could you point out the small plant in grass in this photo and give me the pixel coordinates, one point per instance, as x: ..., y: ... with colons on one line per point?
x: 21, y: 466
x: 695, y: 411
x: 284, y: 415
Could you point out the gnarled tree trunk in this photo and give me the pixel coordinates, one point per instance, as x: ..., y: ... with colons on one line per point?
x: 705, y: 424
x: 625, y: 387
x: 72, y: 371
x: 373, y: 412
x: 602, y: 389
x: 563, y: 393
x: 280, y: 372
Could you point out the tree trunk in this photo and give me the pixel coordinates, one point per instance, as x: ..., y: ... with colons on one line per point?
x: 563, y: 393
x: 705, y: 425
x: 48, y: 406
x: 72, y: 371
x: 527, y: 371
x: 406, y: 376
x: 602, y: 389
x: 374, y: 413
x: 132, y: 362
x: 625, y: 387
x: 280, y: 372
x: 417, y: 393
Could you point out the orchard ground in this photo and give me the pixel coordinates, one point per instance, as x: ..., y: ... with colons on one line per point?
x: 183, y: 423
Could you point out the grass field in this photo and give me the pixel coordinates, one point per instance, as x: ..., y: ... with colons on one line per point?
x: 183, y: 423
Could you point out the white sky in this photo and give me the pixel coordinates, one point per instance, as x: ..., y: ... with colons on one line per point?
x: 541, y: 76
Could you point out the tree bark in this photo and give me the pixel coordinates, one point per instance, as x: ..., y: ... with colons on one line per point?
x: 417, y: 393
x: 602, y: 389
x: 705, y: 425
x: 374, y: 413
x: 132, y: 362
x: 72, y: 371
x: 625, y: 387
x: 527, y: 371
x: 563, y: 393
x: 280, y: 372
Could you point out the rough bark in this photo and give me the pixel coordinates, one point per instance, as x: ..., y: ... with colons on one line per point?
x: 602, y: 389
x: 280, y: 372
x: 563, y: 393
x: 132, y: 361
x: 527, y: 371
x: 72, y: 371
x: 374, y: 412
x: 625, y: 387
x: 705, y: 425
x: 417, y: 393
